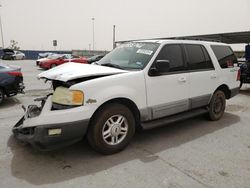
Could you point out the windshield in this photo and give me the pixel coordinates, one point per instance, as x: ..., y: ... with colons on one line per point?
x: 133, y: 55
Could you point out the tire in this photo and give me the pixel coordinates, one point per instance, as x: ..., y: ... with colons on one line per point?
x: 52, y: 66
x: 1, y: 96
x: 217, y: 105
x: 111, y: 129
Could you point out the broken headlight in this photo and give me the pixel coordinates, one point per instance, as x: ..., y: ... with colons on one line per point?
x: 65, y: 96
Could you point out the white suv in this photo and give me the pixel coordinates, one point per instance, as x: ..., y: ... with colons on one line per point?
x: 142, y: 84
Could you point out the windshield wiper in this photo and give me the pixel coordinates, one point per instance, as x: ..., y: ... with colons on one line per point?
x: 111, y: 65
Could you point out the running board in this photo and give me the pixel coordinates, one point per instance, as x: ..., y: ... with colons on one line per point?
x: 173, y: 118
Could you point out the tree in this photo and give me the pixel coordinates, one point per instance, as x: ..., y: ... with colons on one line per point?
x: 14, y: 45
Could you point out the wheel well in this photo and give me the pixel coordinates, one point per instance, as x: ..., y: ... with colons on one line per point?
x: 225, y: 89
x: 126, y: 102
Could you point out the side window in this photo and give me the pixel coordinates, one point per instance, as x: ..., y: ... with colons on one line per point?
x: 198, y: 57
x: 207, y: 58
x: 172, y: 53
x: 224, y: 55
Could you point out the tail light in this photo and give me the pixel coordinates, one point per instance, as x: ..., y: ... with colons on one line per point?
x: 15, y: 73
x: 238, y: 75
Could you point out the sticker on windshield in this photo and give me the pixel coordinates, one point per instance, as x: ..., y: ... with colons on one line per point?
x: 144, y: 51
x: 138, y: 63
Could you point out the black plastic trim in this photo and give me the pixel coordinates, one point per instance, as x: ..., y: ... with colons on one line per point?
x: 71, y: 132
x: 173, y: 118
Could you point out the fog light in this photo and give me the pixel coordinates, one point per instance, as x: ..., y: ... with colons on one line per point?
x: 52, y: 132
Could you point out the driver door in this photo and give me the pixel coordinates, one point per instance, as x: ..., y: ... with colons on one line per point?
x: 167, y: 92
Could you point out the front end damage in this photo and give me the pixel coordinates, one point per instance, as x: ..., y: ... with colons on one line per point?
x: 44, y: 133
x: 62, y: 117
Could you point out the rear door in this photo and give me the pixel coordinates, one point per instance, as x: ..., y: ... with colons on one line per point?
x: 202, y: 75
x: 167, y: 93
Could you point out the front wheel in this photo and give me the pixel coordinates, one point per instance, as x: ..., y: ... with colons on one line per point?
x: 111, y: 129
x: 217, y: 105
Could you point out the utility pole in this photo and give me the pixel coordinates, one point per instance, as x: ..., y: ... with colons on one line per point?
x: 114, y: 45
x: 1, y: 28
x: 93, y: 29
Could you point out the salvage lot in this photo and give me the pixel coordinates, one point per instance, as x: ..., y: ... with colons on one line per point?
x: 192, y: 153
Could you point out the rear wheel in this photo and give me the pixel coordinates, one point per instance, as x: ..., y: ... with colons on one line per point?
x: 1, y: 95
x: 111, y: 129
x: 217, y: 105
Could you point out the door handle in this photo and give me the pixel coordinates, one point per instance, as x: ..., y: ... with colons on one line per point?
x: 213, y: 76
x: 182, y: 79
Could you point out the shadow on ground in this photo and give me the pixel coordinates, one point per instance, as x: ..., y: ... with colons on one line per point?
x: 79, y: 160
x: 9, y: 102
x: 245, y: 91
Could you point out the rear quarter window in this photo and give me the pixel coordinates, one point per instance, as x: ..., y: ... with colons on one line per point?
x: 224, y: 55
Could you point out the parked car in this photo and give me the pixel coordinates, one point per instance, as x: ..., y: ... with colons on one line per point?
x: 51, y: 56
x: 245, y: 73
x: 9, y: 54
x: 144, y: 84
x: 11, y: 81
x: 50, y: 63
x: 95, y: 58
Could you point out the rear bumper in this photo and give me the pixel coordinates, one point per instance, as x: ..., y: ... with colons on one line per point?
x: 14, y: 88
x: 38, y: 137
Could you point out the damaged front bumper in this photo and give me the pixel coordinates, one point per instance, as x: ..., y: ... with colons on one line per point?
x: 38, y: 127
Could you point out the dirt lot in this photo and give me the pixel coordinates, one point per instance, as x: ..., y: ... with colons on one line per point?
x: 192, y: 153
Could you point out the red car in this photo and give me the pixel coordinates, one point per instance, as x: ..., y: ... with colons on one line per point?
x: 50, y: 63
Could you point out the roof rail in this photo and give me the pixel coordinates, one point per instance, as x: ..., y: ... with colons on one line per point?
x: 175, y: 38
x: 196, y: 38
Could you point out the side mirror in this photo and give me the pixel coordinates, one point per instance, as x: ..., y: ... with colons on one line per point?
x: 161, y: 66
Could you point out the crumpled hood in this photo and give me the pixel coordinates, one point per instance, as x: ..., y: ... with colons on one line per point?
x: 71, y: 71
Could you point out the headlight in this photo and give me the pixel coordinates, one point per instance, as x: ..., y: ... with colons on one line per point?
x: 65, y: 96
